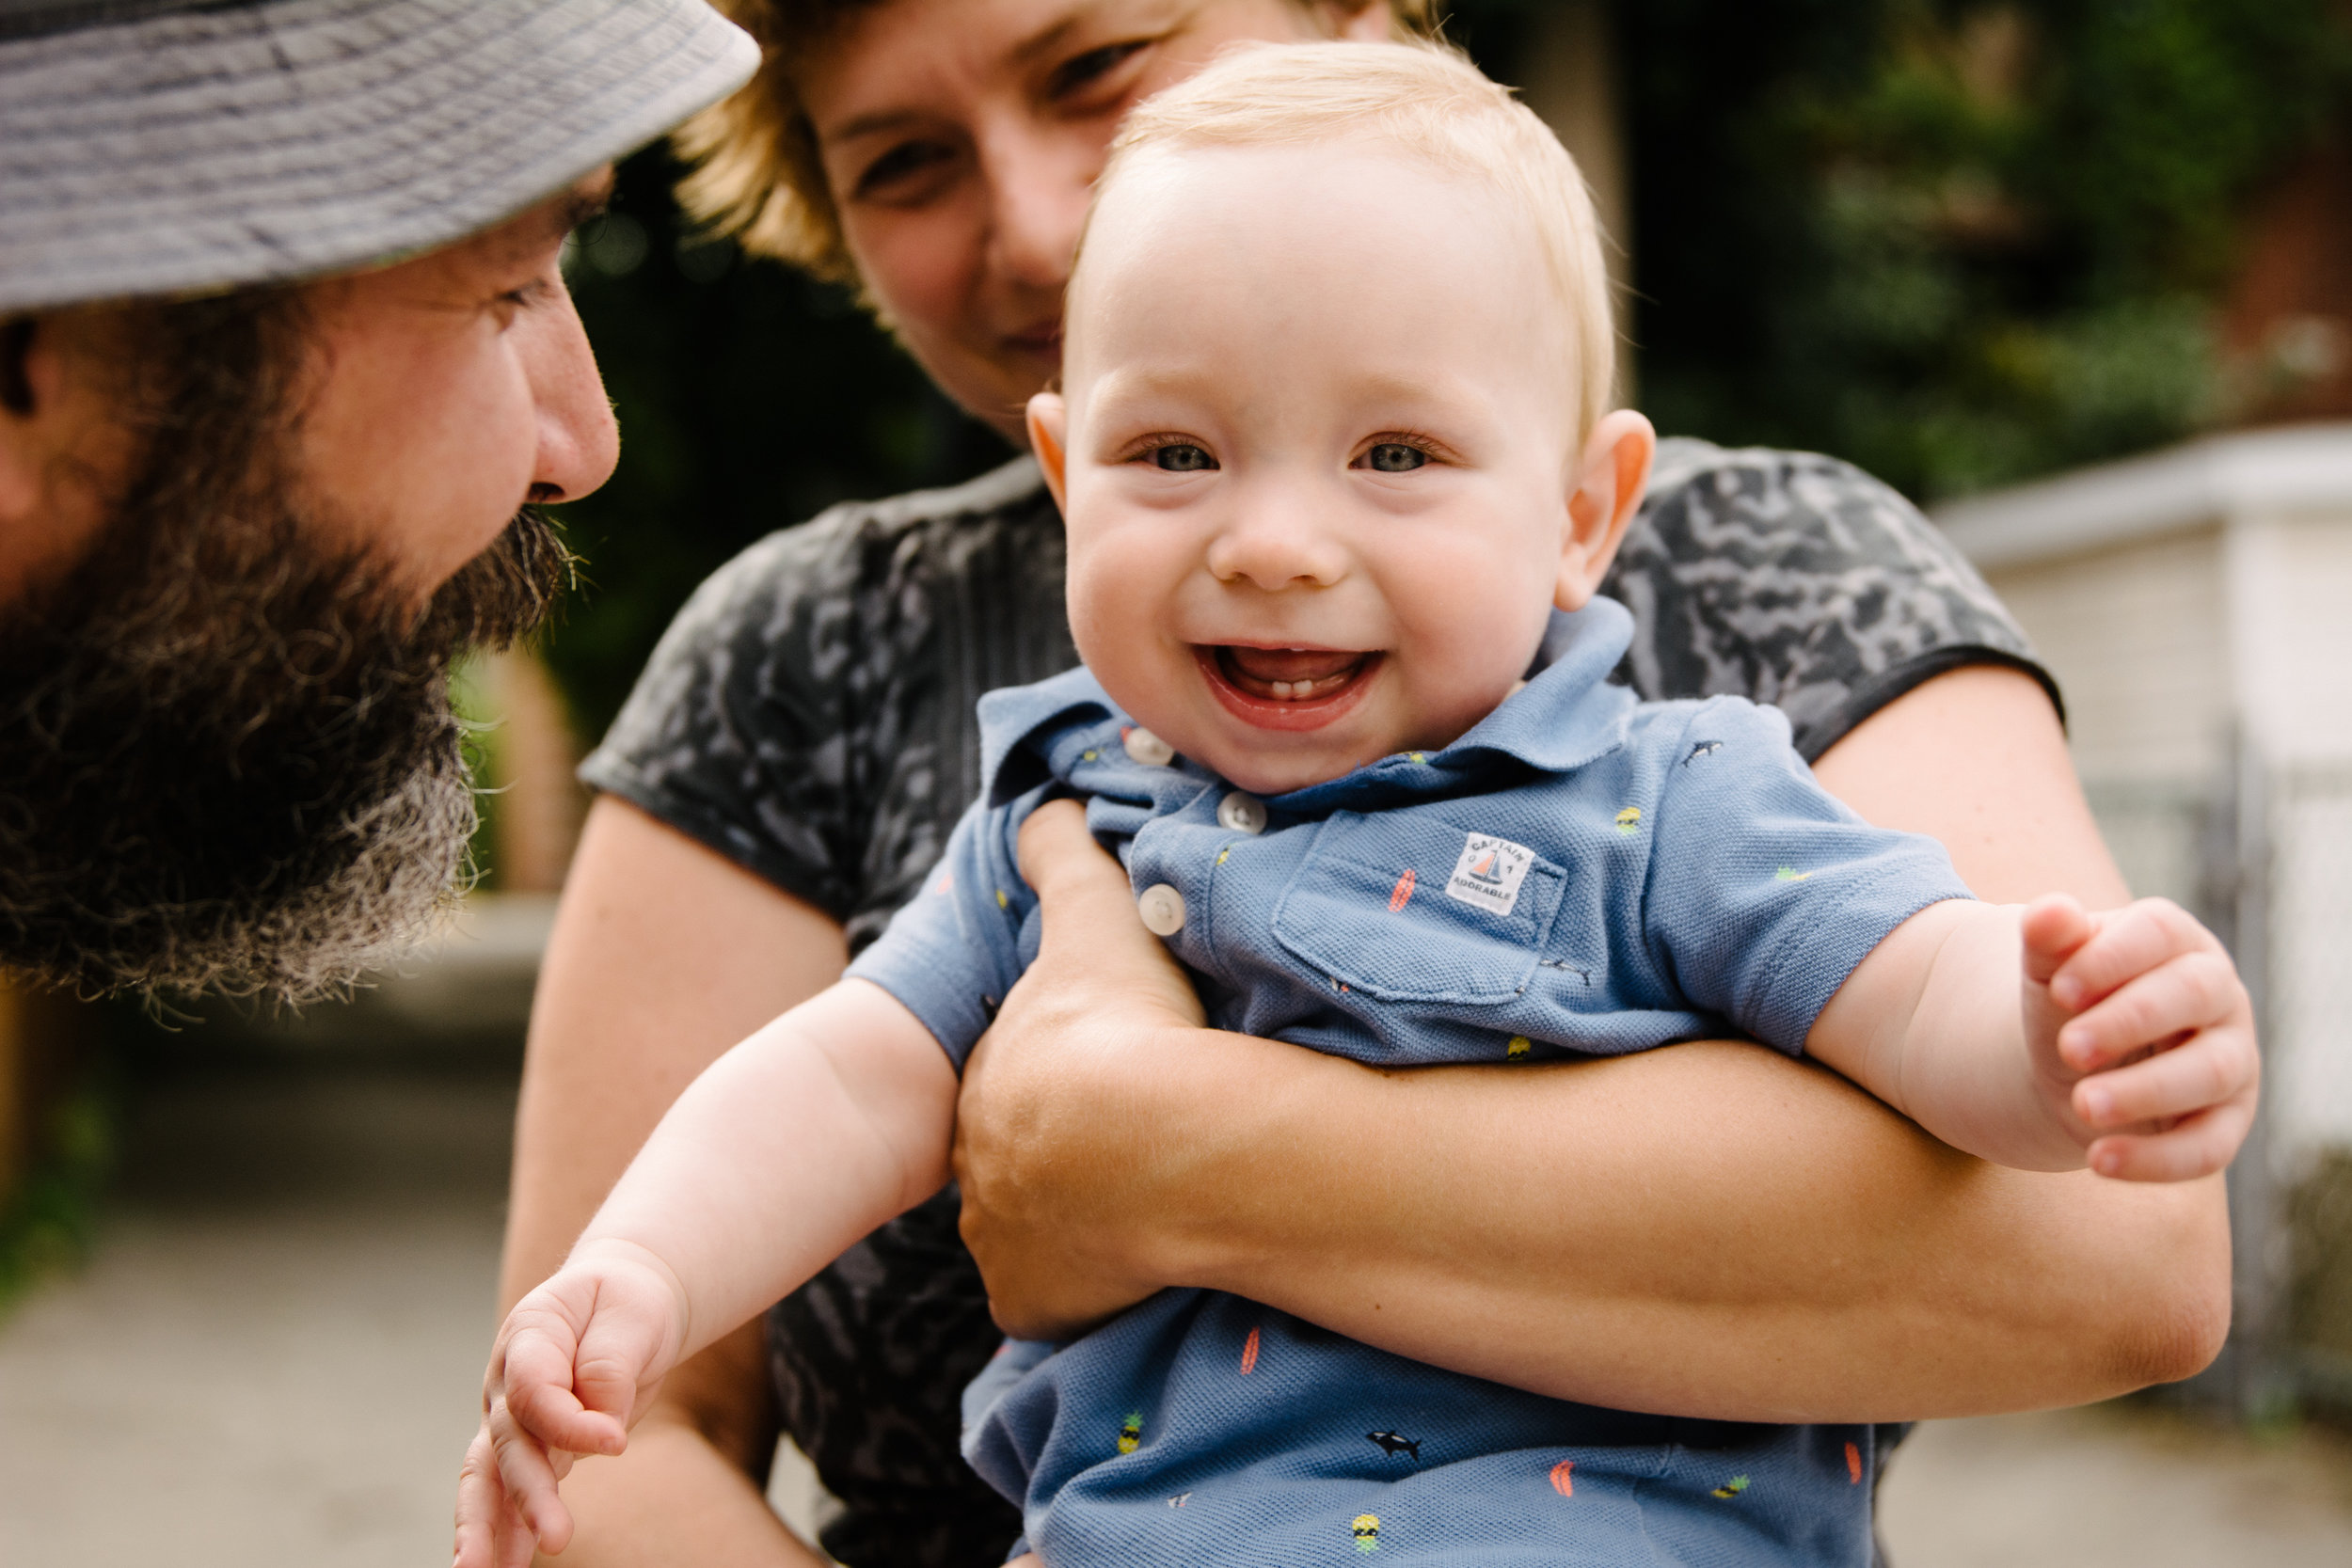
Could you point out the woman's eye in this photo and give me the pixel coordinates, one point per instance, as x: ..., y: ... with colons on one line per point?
x: 1079, y: 70
x: 1183, y: 457
x: 1395, y: 457
x: 900, y: 165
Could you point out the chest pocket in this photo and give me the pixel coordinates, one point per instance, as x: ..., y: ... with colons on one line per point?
x: 1369, y: 908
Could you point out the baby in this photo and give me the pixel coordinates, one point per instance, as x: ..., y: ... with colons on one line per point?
x: 1338, y: 489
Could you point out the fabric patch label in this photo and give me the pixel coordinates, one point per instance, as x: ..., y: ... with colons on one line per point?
x: 1489, y: 875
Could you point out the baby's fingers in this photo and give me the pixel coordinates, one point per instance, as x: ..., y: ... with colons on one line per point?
x: 491, y: 1532
x: 527, y: 1476
x: 2215, y: 1067
x: 539, y: 1390
x: 2053, y: 929
x: 481, y: 1501
x: 2129, y: 941
x: 2199, y: 1145
x: 2178, y: 996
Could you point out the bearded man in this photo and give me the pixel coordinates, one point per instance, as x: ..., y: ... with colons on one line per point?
x: 287, y: 369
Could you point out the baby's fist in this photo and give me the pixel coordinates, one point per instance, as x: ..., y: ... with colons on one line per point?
x: 576, y: 1362
x: 2141, y: 1029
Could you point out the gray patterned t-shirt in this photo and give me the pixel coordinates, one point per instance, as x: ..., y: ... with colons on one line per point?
x: 810, y: 715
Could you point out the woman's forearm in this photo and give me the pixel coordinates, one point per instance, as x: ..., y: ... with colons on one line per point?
x: 1707, y: 1231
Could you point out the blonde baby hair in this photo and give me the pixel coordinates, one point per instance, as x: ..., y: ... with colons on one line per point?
x: 1427, y: 101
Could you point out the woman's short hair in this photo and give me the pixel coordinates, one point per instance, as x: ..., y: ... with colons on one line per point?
x: 1427, y: 102
x: 757, y: 175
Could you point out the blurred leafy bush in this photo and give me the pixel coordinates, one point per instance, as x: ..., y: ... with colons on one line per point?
x: 750, y: 398
x: 1959, y: 243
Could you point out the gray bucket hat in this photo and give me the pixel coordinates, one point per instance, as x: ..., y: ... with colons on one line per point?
x: 173, y: 146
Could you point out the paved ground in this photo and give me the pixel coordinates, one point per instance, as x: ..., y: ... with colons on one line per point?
x: 272, y: 1359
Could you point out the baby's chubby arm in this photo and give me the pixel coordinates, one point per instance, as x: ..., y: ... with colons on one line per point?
x: 802, y: 1139
x: 2044, y: 1038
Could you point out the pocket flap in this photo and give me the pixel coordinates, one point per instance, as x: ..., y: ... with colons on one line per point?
x: 1410, y: 908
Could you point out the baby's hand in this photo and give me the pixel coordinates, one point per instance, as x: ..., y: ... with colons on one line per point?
x: 576, y: 1363
x: 2142, y: 1037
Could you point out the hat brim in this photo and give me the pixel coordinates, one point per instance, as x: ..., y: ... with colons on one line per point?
x: 264, y: 143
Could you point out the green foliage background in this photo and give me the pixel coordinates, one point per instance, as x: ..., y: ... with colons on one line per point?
x: 1961, y: 243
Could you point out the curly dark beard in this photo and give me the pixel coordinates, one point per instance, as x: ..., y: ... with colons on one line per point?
x: 228, y: 760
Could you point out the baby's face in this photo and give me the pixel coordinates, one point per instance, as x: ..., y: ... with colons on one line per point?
x: 1320, y: 441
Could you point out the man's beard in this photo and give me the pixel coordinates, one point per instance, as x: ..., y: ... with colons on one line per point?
x: 228, y: 759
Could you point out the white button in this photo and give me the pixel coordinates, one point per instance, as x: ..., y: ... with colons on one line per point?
x: 1149, y: 749
x: 1241, y: 812
x: 1163, y: 910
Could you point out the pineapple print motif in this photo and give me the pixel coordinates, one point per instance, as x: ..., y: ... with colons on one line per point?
x: 1367, y: 1530
x: 1732, y: 1488
x: 1629, y: 820
x: 1131, y: 1431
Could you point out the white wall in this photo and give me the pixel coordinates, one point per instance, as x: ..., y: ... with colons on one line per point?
x: 2137, y: 636
x: 2178, y: 597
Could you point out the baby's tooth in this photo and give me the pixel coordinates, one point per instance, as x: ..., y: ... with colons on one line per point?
x: 1282, y: 691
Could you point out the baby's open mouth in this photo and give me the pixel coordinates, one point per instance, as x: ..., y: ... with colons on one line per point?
x: 1289, y: 674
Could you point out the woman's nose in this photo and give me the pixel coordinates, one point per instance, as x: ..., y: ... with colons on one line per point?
x: 1040, y: 178
x: 579, y: 442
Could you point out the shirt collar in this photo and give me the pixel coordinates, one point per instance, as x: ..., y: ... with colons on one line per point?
x: 1551, y: 724
x: 1010, y: 717
x: 1562, y: 719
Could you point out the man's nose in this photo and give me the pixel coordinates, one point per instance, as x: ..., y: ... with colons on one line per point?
x: 1273, y: 544
x: 579, y: 442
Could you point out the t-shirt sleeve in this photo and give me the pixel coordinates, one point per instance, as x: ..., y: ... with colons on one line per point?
x: 1764, y: 891
x: 952, y: 952
x: 735, y: 734
x: 1798, y: 581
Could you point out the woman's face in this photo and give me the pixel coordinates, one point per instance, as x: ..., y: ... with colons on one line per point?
x: 962, y: 139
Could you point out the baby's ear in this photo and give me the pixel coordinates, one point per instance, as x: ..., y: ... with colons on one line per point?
x: 1049, y: 437
x: 1609, y: 483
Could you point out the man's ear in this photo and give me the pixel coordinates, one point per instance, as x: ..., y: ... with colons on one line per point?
x: 1609, y: 485
x: 1049, y: 437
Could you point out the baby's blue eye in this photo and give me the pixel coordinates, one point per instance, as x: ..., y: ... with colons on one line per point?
x: 1183, y: 457
x: 1395, y: 457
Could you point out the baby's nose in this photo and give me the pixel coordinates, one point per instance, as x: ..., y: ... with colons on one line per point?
x: 1275, y: 550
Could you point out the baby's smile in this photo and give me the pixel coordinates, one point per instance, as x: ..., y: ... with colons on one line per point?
x: 1287, y: 689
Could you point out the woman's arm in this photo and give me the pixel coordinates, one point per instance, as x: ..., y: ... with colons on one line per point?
x: 1708, y: 1231
x: 664, y: 954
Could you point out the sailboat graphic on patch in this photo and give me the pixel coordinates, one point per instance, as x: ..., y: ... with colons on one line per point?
x: 1489, y: 873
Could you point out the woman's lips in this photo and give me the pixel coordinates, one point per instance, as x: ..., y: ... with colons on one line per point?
x: 1039, y: 341
x: 1287, y: 689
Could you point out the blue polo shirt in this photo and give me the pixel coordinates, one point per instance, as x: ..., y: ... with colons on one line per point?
x: 1582, y: 873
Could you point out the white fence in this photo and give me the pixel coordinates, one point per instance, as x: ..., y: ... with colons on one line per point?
x: 2266, y: 858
